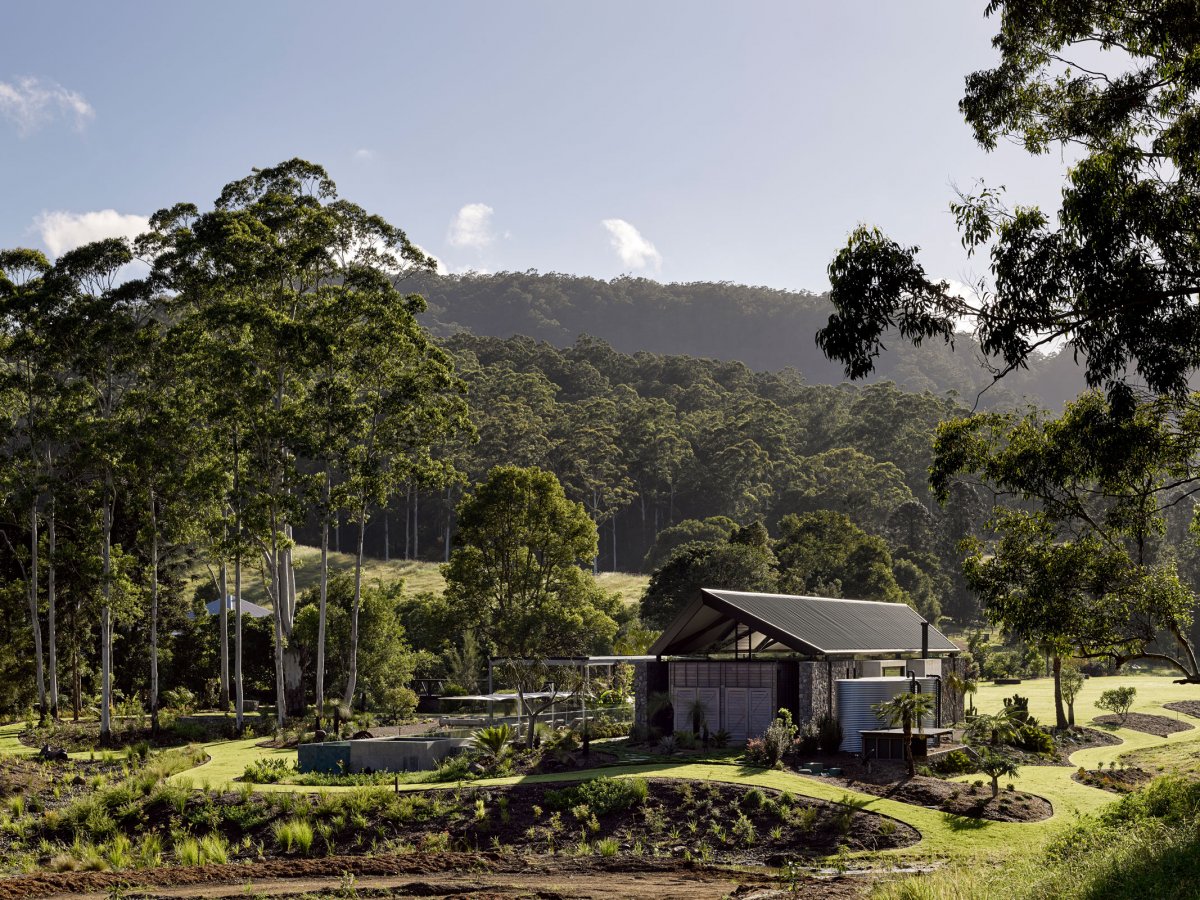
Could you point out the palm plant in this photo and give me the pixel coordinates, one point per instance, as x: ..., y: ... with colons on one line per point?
x: 698, y: 714
x: 903, y: 711
x: 994, y: 728
x: 995, y: 766
x: 494, y: 740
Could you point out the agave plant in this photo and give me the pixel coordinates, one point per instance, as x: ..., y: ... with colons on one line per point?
x: 494, y: 740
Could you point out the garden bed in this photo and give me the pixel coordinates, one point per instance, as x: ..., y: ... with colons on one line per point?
x: 146, y: 824
x: 1160, y: 726
x: 1117, y: 781
x: 80, y: 737
x: 1187, y: 707
x: 955, y: 797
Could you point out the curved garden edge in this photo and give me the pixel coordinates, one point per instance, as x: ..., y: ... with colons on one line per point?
x: 942, y: 835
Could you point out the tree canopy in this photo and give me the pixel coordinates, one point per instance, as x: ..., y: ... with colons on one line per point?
x: 1113, y: 272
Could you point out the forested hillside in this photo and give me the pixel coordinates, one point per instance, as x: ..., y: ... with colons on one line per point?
x: 664, y: 449
x: 765, y: 328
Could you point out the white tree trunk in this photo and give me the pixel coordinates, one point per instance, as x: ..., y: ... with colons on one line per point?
x: 34, y: 619
x: 239, y: 697
x: 153, y: 613
x: 106, y: 620
x: 319, y: 697
x: 223, y: 624
x: 52, y: 617
x: 352, y: 674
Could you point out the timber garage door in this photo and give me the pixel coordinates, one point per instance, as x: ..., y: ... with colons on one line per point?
x: 681, y: 705
x: 761, y: 713
x: 711, y: 698
x: 736, y: 713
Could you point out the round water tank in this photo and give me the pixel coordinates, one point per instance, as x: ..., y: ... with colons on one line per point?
x: 856, y: 698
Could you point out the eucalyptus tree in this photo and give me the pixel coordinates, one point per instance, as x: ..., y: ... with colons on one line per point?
x: 293, y: 277
x: 109, y: 328
x: 1076, y: 559
x: 406, y: 402
x: 1112, y: 274
x: 28, y: 394
x: 176, y: 484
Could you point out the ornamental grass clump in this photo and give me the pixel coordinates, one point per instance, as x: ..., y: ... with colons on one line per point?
x: 294, y: 835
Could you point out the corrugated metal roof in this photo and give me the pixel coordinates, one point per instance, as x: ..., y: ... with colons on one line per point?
x: 722, y: 621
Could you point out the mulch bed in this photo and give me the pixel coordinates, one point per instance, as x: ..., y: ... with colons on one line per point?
x: 1065, y: 743
x: 1160, y: 726
x: 1118, y: 781
x: 1187, y: 707
x: 957, y: 798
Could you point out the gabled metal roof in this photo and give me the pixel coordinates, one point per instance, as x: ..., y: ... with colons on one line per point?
x: 733, y: 621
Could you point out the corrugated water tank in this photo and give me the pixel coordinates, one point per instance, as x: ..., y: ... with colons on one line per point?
x: 856, y: 696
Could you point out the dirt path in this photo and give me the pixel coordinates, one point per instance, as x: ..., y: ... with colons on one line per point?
x: 442, y: 876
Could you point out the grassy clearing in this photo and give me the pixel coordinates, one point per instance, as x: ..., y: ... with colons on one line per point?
x: 418, y: 577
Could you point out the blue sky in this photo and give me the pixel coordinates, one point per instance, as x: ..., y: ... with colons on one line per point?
x: 680, y: 140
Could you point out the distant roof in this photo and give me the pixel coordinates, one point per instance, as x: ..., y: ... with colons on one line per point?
x: 253, y: 610
x: 725, y: 621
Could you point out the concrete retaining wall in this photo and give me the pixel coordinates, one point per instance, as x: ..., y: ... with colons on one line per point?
x: 378, y: 754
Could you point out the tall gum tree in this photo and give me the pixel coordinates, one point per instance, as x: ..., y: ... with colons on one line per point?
x: 110, y: 327
x: 275, y: 263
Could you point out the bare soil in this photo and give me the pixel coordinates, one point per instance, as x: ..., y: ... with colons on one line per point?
x: 1187, y: 707
x: 439, y: 876
x: 1159, y: 726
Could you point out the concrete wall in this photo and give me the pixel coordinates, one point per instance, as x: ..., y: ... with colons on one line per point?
x: 378, y: 754
x: 330, y: 758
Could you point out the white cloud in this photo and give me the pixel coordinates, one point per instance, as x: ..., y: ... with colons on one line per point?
x: 364, y: 155
x: 63, y: 231
x: 472, y: 227
x: 439, y: 266
x: 634, y: 250
x: 30, y: 103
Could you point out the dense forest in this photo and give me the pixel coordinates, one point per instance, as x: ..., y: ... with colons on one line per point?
x: 765, y: 328
x: 663, y: 449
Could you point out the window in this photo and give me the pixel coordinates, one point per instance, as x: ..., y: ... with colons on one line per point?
x: 893, y: 671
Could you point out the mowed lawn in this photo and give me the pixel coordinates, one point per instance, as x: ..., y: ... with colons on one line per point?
x: 943, y: 836
x: 418, y: 577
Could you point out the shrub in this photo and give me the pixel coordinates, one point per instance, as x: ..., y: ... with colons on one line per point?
x: 1034, y: 740
x: 753, y: 799
x: 721, y: 739
x: 956, y: 762
x: 808, y: 740
x: 494, y: 740
x: 608, y: 846
x: 829, y: 733
x: 601, y: 795
x: 1117, y: 701
x: 1018, y: 707
x: 179, y: 699
x: 768, y: 750
x: 268, y: 771
x: 686, y: 740
x: 667, y: 745
x: 756, y: 754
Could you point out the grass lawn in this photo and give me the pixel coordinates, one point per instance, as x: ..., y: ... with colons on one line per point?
x: 418, y: 577
x: 944, y: 836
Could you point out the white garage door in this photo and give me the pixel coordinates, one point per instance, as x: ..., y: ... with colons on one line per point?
x: 736, y: 713
x: 681, y: 705
x: 761, y: 713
